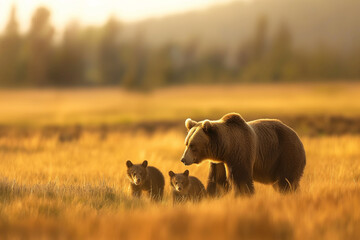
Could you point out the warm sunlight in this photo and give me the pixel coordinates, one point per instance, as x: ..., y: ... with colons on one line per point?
x: 97, y: 11
x: 179, y: 119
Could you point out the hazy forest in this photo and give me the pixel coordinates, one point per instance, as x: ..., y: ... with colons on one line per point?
x: 122, y: 54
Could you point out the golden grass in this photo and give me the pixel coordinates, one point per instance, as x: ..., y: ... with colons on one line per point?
x: 98, y: 106
x: 79, y: 189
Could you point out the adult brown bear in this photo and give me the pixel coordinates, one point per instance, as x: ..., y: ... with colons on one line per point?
x: 264, y: 150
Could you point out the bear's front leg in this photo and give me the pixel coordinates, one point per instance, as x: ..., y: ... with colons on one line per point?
x: 242, y: 179
x: 136, y: 191
x: 177, y: 198
x: 211, y: 184
x: 217, y: 176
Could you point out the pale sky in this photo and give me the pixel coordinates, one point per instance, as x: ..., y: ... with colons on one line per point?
x: 98, y: 11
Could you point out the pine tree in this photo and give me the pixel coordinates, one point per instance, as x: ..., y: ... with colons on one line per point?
x: 136, y: 73
x: 10, y: 50
x: 280, y: 53
x: 69, y: 60
x: 259, y: 41
x: 39, y: 42
x: 110, y: 62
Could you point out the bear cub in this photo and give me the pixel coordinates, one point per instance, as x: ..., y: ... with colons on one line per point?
x: 186, y: 187
x: 145, y: 178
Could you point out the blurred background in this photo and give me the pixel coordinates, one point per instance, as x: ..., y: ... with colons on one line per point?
x: 144, y: 45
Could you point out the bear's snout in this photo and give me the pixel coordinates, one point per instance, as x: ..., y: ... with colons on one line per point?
x: 188, y: 157
x: 186, y: 163
x: 137, y: 180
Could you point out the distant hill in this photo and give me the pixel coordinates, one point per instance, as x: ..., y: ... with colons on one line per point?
x: 335, y: 23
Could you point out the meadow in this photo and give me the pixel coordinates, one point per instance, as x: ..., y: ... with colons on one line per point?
x: 63, y: 154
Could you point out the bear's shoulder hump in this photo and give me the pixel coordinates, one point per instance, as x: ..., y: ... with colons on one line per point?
x: 231, y: 118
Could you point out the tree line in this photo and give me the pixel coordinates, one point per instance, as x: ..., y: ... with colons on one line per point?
x: 98, y: 56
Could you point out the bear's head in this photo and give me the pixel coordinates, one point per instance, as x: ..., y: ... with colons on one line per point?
x: 206, y: 139
x: 180, y: 181
x: 197, y: 142
x: 137, y: 172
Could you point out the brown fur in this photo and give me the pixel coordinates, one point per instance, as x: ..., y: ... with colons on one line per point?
x: 186, y: 187
x: 145, y: 178
x: 217, y: 183
x: 264, y: 150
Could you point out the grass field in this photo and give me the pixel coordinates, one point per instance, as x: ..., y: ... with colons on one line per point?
x: 113, y: 106
x: 68, y: 184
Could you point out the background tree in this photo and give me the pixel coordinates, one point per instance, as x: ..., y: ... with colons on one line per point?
x: 190, y: 61
x: 39, y: 40
x: 212, y: 65
x: 110, y: 63
x: 136, y: 64
x: 10, y: 53
x: 251, y: 56
x: 259, y: 41
x: 69, y: 58
x: 280, y: 56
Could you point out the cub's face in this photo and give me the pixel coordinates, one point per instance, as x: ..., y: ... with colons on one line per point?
x: 196, y: 143
x: 179, y: 181
x: 136, y: 172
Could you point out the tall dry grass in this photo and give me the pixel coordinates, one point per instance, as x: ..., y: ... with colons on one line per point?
x: 63, y: 175
x: 79, y: 189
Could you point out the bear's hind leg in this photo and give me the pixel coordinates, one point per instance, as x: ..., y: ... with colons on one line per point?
x: 157, y: 195
x: 284, y: 185
x: 288, y: 174
x: 161, y: 194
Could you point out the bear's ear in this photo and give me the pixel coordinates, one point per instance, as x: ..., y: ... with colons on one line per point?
x: 129, y: 164
x: 186, y: 173
x: 190, y: 123
x: 233, y: 118
x: 144, y: 164
x: 207, y: 126
x: 171, y: 173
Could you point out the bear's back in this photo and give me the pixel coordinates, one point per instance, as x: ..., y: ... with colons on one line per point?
x: 155, y: 176
x: 197, y: 189
x: 272, y: 134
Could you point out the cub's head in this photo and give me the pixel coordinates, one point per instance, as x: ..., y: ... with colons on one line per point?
x: 136, y: 172
x: 205, y: 138
x: 179, y: 181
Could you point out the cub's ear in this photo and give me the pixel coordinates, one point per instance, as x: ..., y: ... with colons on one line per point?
x: 171, y: 173
x: 233, y: 118
x: 186, y: 173
x: 129, y: 164
x: 189, y: 123
x: 144, y: 164
x: 207, y: 126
